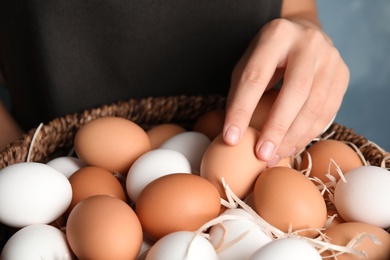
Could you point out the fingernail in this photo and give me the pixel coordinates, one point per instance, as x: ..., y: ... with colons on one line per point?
x: 266, y: 150
x: 275, y: 160
x: 232, y: 134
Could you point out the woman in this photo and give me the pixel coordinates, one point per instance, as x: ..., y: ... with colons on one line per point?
x: 74, y: 55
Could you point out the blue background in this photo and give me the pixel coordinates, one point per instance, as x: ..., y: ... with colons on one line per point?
x: 360, y: 30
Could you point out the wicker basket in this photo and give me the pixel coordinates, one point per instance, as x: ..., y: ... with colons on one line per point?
x: 56, y: 137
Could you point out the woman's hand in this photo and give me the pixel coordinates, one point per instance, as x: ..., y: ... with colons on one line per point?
x: 315, y: 79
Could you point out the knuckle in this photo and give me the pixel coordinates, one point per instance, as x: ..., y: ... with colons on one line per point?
x: 302, y: 85
x: 280, y: 23
x: 344, y: 70
x: 277, y: 27
x: 313, y: 39
x: 314, y: 36
x: 333, y: 56
x: 251, y: 76
x: 288, y: 145
x: 315, y: 108
x: 240, y: 114
x: 278, y: 130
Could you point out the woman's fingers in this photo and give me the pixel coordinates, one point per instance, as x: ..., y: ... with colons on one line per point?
x: 315, y: 81
x: 329, y: 108
x: 253, y: 74
x: 308, y: 80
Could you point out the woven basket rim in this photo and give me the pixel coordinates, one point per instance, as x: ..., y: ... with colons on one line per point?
x: 58, y: 134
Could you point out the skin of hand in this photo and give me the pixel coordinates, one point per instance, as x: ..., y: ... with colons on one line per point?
x: 315, y: 79
x: 9, y: 129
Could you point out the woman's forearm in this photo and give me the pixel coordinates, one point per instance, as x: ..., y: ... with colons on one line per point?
x: 9, y: 129
x: 301, y: 9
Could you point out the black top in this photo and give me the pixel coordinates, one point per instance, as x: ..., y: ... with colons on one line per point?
x: 63, y: 56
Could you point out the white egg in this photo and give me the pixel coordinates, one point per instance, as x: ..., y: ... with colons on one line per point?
x: 237, y: 238
x: 191, y: 144
x: 364, y: 196
x: 32, y: 193
x: 38, y: 242
x: 287, y: 248
x: 67, y: 165
x: 152, y: 165
x: 182, y: 245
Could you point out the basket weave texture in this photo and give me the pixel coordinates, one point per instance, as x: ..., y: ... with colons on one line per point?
x: 55, y: 138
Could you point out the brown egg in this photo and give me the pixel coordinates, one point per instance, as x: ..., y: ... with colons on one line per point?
x: 323, y: 151
x: 176, y: 202
x: 249, y: 200
x: 343, y: 233
x: 104, y: 227
x: 210, y: 123
x: 160, y: 133
x: 237, y: 164
x: 112, y: 143
x: 285, y: 197
x: 263, y: 108
x: 91, y: 180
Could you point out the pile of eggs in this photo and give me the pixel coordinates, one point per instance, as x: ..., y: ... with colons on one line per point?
x: 172, y: 193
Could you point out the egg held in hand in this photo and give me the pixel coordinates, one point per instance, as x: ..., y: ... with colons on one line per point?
x: 263, y: 108
x: 236, y: 164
